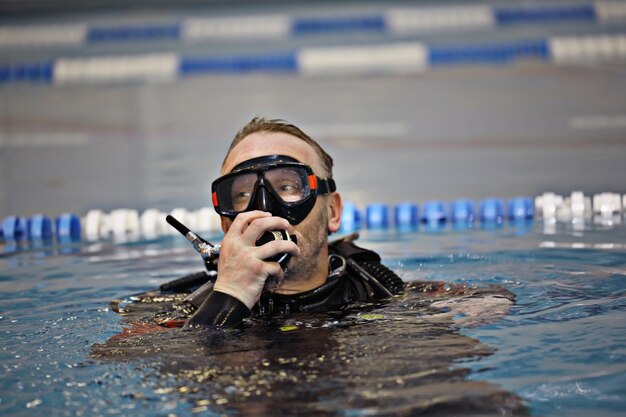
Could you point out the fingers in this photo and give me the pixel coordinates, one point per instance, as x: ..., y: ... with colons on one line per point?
x: 273, y: 269
x: 243, y: 220
x: 253, y: 224
x: 277, y: 246
x: 261, y: 225
x: 243, y: 270
x: 246, y: 284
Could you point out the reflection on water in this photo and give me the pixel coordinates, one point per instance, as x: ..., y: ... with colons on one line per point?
x: 395, y: 358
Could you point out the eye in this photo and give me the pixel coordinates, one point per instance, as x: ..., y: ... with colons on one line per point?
x: 241, y: 191
x: 238, y: 195
x: 290, y: 191
x: 288, y: 187
x: 287, y: 182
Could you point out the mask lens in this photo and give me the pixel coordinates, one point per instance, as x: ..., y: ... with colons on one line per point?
x: 290, y: 184
x: 284, y: 189
x: 234, y: 193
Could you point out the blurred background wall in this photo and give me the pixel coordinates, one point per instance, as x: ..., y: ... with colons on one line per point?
x: 133, y: 104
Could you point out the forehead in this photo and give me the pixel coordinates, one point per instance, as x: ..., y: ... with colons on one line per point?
x: 272, y: 143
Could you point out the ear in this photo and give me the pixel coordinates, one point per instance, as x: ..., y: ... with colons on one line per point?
x: 335, y: 208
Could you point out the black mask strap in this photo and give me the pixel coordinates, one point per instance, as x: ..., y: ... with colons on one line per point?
x: 326, y: 186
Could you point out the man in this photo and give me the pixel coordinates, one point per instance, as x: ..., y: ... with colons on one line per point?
x: 275, y: 177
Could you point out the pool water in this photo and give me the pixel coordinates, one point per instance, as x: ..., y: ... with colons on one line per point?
x: 560, y: 350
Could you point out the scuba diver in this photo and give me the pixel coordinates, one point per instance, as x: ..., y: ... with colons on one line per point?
x: 278, y: 204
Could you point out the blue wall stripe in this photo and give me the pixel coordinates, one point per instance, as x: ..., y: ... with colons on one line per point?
x: 37, y: 72
x: 490, y: 53
x: 309, y: 26
x: 516, y: 15
x: 238, y: 64
x: 133, y: 33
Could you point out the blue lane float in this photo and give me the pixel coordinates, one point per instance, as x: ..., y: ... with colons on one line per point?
x: 348, y: 24
x: 462, y: 211
x: 433, y: 213
x: 15, y: 228
x: 40, y: 72
x: 495, y: 53
x: 40, y: 227
x: 377, y: 216
x: 68, y: 227
x: 505, y: 16
x: 286, y: 62
x: 491, y: 210
x: 406, y: 216
x: 350, y: 218
x: 134, y: 33
x: 521, y: 208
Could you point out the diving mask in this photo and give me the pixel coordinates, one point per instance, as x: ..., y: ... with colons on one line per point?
x: 278, y: 184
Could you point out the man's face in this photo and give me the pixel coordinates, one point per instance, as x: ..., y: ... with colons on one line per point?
x: 312, y: 232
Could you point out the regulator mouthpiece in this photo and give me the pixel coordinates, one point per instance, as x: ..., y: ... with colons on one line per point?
x: 270, y: 236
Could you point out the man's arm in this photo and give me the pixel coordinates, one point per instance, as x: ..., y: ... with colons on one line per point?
x: 242, y: 269
x: 473, y: 307
x: 220, y: 309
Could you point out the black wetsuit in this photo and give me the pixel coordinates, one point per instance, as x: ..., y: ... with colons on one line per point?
x: 356, y: 275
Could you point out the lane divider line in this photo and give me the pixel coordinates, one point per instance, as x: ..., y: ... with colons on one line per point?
x: 392, y: 21
x: 408, y: 57
x: 124, y: 225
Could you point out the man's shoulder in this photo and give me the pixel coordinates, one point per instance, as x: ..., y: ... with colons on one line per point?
x: 346, y: 248
x: 364, y: 269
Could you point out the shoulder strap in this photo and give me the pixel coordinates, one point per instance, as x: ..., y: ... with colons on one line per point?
x: 366, y: 264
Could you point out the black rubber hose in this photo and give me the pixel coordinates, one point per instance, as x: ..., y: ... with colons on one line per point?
x: 385, y: 276
x: 186, y: 282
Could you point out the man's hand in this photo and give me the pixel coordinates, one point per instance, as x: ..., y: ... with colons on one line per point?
x: 474, y: 311
x: 242, y: 269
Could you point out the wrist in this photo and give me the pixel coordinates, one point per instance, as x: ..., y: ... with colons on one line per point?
x: 235, y: 291
x: 220, y: 309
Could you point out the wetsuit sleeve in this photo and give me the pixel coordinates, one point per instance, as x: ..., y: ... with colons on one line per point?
x: 220, y: 309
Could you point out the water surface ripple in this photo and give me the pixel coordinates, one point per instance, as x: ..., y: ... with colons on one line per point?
x: 560, y: 350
